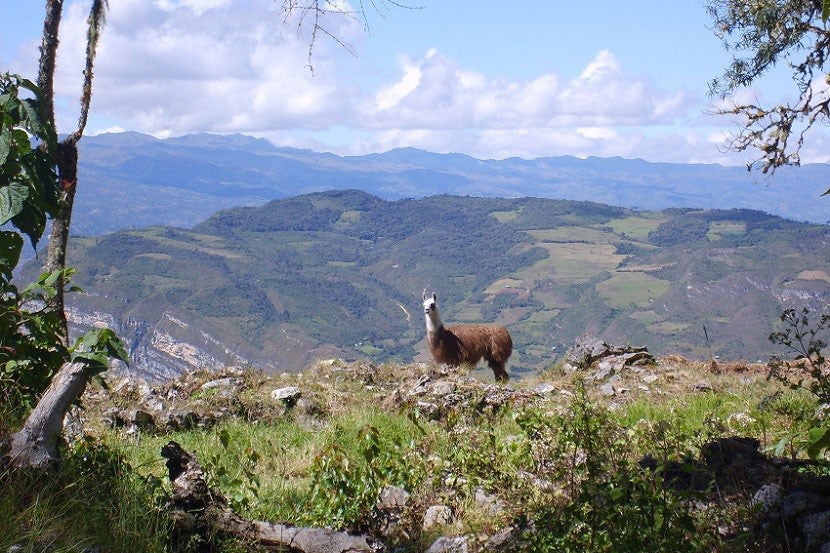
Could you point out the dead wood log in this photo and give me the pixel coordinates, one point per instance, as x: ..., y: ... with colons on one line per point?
x: 198, y: 510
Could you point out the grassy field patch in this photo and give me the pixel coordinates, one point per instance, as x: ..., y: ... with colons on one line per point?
x: 648, y: 317
x: 814, y: 275
x: 721, y: 229
x: 348, y: 218
x: 571, y: 263
x: 668, y: 327
x: 636, y: 226
x: 626, y: 289
x: 573, y: 234
x: 505, y: 216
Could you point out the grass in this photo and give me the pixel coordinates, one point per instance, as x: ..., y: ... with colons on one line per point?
x: 93, y: 499
x: 573, y: 234
x: 647, y: 317
x: 624, y: 290
x: 721, y: 229
x: 637, y: 227
x: 327, y: 471
x: 505, y: 216
x: 668, y: 328
x: 571, y: 263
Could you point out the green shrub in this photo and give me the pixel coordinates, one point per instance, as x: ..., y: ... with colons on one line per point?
x: 610, y: 503
x: 345, y: 487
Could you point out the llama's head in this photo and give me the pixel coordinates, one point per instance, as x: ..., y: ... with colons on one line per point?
x: 431, y: 311
x: 430, y: 303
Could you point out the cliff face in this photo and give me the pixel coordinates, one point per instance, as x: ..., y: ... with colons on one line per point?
x: 165, y: 347
x: 162, y: 349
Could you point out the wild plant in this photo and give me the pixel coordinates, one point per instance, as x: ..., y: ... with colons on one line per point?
x: 804, y: 341
x: 611, y: 503
x: 345, y: 487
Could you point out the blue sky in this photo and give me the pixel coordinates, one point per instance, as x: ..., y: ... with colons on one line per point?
x: 490, y: 79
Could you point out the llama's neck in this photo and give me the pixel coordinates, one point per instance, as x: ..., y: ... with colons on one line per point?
x: 434, y: 323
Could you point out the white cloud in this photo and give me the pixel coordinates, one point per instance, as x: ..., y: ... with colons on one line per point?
x: 597, y: 133
x: 434, y: 92
x: 186, y: 66
x: 170, y: 67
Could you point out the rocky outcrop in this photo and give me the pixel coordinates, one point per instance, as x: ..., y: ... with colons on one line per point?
x: 161, y: 350
x: 604, y: 360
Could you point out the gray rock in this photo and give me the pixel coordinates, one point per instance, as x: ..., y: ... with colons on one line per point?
x: 543, y: 389
x: 393, y: 498
x: 650, y: 378
x: 140, y: 419
x: 815, y: 528
x: 437, y: 515
x: 768, y: 496
x: 443, y: 388
x: 607, y: 390
x: 288, y: 395
x: 181, y: 420
x: 585, y: 350
x: 428, y: 409
x: 490, y: 503
x: 605, y: 369
x: 703, y: 386
x: 223, y: 383
x: 420, y: 386
x: 449, y: 545
x: 153, y: 403
x: 502, y: 539
x: 800, y: 502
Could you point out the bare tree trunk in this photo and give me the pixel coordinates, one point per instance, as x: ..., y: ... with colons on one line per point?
x: 202, y: 512
x: 36, y: 445
x: 48, y: 56
x: 59, y: 235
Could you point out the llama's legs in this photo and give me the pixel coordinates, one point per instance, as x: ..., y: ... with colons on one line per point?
x: 498, y: 371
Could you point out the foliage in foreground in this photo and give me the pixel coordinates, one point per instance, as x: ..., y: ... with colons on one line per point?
x: 566, y: 469
x: 32, y: 347
x: 93, y: 499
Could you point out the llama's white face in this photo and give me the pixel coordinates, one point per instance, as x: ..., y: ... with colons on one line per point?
x: 430, y: 305
x: 431, y: 313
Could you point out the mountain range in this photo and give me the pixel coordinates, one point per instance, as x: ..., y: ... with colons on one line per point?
x: 130, y: 180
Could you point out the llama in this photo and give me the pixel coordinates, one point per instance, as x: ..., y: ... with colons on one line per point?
x: 467, y: 343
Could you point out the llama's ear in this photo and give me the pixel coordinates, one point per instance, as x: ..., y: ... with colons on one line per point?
x: 434, y: 297
x: 424, y: 296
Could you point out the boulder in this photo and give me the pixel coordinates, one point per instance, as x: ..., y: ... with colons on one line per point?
x: 437, y: 515
x: 543, y: 389
x: 288, y: 395
x: 589, y: 351
x: 392, y: 498
x: 449, y: 545
x: 490, y: 503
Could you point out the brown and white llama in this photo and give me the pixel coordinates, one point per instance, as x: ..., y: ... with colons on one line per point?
x: 467, y: 343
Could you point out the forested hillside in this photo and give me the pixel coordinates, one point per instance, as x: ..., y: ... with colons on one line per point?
x: 341, y: 274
